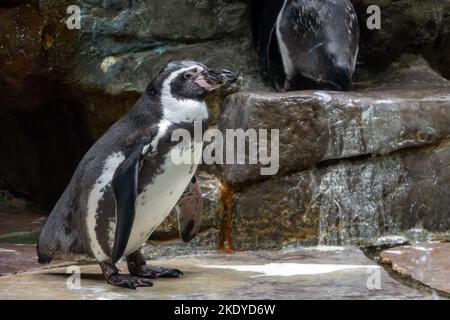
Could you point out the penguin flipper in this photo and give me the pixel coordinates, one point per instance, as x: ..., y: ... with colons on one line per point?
x: 125, y: 187
x: 189, y: 210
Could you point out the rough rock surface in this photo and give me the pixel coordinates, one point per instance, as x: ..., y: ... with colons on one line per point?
x: 291, y: 274
x: 428, y: 263
x: 407, y: 26
x: 410, y: 109
x: 352, y: 201
x: 353, y: 166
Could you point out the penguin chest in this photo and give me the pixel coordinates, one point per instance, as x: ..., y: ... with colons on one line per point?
x: 159, y: 197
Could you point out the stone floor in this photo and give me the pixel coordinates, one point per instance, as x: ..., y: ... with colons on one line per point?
x: 298, y: 273
x: 428, y: 263
x: 292, y: 273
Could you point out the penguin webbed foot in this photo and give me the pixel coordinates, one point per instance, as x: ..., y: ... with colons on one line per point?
x: 113, y: 277
x: 130, y: 282
x: 138, y: 267
x: 154, y: 272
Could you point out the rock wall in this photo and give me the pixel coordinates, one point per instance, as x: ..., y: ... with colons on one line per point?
x: 354, y: 166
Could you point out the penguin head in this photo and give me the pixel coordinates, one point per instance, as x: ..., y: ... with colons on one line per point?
x: 191, y: 80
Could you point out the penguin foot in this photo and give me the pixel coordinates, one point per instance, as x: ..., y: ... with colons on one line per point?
x: 138, y: 267
x: 113, y: 277
x: 154, y: 272
x: 129, y: 282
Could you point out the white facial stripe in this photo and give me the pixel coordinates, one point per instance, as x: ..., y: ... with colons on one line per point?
x: 178, y: 110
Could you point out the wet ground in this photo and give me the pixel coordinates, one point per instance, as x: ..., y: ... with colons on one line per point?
x: 314, y: 273
x: 292, y: 273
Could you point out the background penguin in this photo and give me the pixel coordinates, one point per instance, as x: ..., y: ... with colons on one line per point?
x: 306, y: 44
x: 127, y: 183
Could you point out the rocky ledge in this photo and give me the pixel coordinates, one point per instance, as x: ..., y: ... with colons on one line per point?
x: 426, y: 263
x: 353, y: 166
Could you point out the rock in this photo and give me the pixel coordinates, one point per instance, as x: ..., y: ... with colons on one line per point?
x: 317, y: 126
x: 353, y: 201
x: 212, y: 215
x: 407, y: 26
x: 428, y: 263
x: 276, y: 213
x: 408, y: 72
x: 128, y: 74
x: 172, y: 20
x: 293, y: 274
x: 204, y: 243
x: 390, y: 241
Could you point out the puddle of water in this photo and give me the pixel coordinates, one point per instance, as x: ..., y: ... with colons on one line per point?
x: 291, y: 269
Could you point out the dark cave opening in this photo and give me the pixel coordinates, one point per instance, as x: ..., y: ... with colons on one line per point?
x: 257, y: 9
x: 41, y: 146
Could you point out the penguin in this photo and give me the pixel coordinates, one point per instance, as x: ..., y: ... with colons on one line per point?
x: 127, y: 183
x: 305, y: 44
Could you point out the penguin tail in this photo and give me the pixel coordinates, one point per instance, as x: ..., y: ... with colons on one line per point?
x: 43, y: 257
x: 44, y: 248
x: 342, y: 78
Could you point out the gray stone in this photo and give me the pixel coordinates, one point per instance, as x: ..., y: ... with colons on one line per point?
x: 350, y: 202
x: 316, y: 126
x: 165, y: 20
x: 407, y: 26
x: 428, y: 263
x: 339, y: 273
x: 390, y: 241
x: 132, y: 71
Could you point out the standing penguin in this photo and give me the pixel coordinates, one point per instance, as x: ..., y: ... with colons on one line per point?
x: 316, y: 41
x: 127, y: 183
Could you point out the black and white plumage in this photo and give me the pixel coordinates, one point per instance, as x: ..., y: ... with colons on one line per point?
x: 127, y: 183
x: 308, y: 44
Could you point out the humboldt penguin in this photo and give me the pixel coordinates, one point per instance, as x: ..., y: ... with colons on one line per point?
x: 128, y: 183
x: 305, y: 44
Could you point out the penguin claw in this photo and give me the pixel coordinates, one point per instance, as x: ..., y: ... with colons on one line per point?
x: 138, y: 267
x: 129, y: 282
x: 154, y: 272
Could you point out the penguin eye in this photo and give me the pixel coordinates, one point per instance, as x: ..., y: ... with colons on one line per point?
x: 188, y: 75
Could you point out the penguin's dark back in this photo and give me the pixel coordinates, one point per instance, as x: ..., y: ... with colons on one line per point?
x: 65, y: 229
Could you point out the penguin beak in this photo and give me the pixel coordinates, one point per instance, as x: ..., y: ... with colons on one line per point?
x: 211, y: 79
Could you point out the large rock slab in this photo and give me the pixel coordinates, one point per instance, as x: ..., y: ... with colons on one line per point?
x: 348, y: 202
x: 428, y: 263
x: 316, y: 126
x: 334, y: 273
